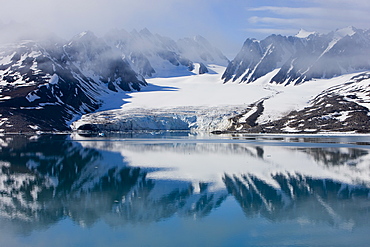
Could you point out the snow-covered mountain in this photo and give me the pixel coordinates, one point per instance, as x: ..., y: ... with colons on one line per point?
x: 46, y: 84
x: 340, y: 108
x: 154, y: 55
x: 338, y: 60
x: 301, y: 58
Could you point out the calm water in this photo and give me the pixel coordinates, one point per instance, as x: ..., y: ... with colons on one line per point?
x: 176, y: 189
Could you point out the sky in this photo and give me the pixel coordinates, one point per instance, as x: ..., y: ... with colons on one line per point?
x: 226, y: 24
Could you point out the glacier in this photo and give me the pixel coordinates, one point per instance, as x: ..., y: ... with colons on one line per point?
x: 205, y: 119
x: 176, y: 103
x: 180, y: 103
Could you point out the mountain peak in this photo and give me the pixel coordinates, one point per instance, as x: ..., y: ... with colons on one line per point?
x: 200, y: 38
x: 145, y: 32
x: 346, y: 31
x: 319, y: 56
x: 85, y: 34
x: 304, y: 33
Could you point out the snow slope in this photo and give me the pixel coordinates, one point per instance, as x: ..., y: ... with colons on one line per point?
x: 296, y: 97
x: 201, y: 101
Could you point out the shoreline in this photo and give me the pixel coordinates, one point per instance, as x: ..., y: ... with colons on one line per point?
x: 215, y: 133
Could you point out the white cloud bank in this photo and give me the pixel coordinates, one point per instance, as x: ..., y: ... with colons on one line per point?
x: 225, y: 23
x: 172, y: 18
x: 69, y: 17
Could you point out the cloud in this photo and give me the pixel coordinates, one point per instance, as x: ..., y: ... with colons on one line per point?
x: 276, y: 21
x: 292, y: 25
x: 269, y: 31
x: 225, y: 23
x: 353, y: 4
x: 216, y: 20
x: 321, y: 16
x: 70, y: 17
x: 288, y: 10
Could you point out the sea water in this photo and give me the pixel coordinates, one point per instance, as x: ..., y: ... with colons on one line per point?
x: 181, y: 189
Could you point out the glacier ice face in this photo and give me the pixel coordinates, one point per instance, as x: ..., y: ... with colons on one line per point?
x: 178, y: 118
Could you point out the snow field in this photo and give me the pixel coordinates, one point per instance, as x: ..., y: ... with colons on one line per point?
x: 204, y: 102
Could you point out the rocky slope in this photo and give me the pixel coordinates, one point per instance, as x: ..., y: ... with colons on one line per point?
x: 44, y: 85
x: 340, y: 108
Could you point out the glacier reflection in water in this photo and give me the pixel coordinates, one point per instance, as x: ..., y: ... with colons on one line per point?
x: 162, y: 190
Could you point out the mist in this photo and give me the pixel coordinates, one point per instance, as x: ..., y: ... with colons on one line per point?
x: 173, y: 18
x: 225, y: 24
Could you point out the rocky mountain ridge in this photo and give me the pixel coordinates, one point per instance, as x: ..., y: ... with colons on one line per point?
x: 45, y: 85
x: 302, y: 58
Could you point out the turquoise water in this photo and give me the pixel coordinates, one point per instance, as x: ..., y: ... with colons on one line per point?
x: 178, y: 189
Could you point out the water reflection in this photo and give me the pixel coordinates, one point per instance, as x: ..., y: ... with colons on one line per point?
x: 302, y: 198
x: 45, y: 179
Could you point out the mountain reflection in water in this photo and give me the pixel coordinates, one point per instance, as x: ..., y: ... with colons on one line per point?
x: 45, y: 179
